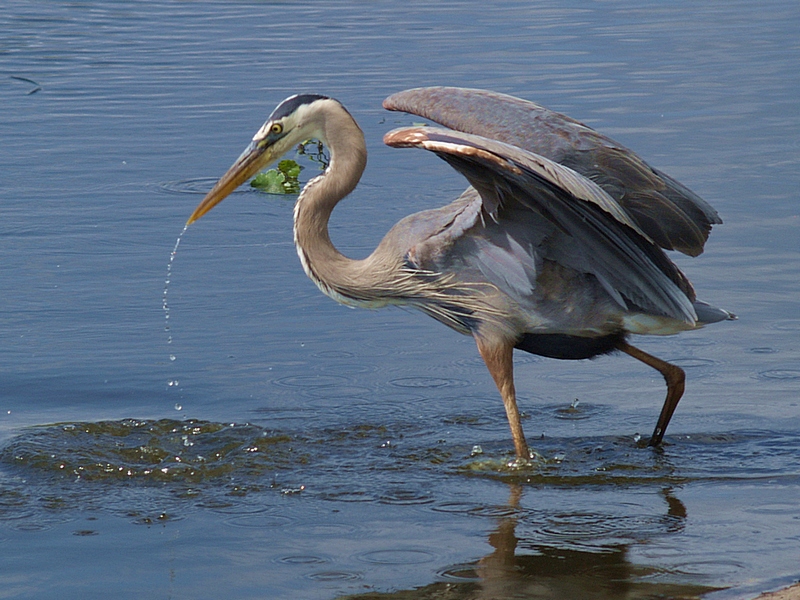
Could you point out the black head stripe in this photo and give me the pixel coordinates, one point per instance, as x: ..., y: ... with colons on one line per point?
x: 291, y: 104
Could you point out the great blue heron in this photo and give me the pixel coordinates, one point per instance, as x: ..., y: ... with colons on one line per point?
x: 554, y: 249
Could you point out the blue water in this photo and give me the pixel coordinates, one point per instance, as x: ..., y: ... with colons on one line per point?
x: 326, y: 451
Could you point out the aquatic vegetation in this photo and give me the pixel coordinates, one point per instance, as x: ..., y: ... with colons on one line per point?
x: 282, y: 180
x: 285, y: 178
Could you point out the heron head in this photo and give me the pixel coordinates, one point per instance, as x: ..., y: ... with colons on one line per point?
x: 293, y: 121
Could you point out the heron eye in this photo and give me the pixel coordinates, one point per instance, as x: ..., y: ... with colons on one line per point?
x: 276, y: 128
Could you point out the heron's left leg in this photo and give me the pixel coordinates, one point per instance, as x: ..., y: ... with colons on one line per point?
x: 499, y: 360
x: 676, y: 383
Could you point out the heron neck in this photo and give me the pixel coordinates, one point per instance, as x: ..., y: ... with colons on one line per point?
x: 334, y: 273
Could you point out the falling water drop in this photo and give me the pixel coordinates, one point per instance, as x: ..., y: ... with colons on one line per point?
x: 172, y: 383
x: 167, y: 279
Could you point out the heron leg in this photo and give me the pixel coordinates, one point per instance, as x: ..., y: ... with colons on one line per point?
x: 499, y: 360
x: 676, y: 382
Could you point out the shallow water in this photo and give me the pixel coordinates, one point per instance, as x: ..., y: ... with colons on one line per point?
x: 312, y: 451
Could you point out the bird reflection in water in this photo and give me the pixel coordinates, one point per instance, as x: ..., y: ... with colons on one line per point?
x: 572, y: 570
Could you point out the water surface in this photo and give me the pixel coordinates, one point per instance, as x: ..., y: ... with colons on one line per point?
x: 312, y: 451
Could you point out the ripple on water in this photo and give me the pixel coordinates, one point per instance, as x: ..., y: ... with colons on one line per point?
x: 404, y: 496
x: 576, y: 411
x: 338, y: 391
x: 456, y: 507
x: 335, y: 576
x: 494, y: 511
x: 594, y: 528
x: 198, y: 185
x: 576, y: 376
x: 312, y: 381
x: 709, y: 568
x: 349, y: 496
x: 259, y: 521
x: 461, y: 572
x: 239, y: 509
x: 324, y: 529
x: 692, y: 362
x: 785, y: 325
x: 227, y: 468
x: 397, y: 557
x: 780, y: 374
x: 152, y: 451
x: 428, y: 382
x: 348, y: 367
x: 333, y: 354
x: 303, y: 559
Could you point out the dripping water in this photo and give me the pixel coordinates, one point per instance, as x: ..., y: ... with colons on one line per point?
x: 172, y: 383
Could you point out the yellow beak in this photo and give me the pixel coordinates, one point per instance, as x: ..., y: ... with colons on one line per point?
x: 253, y: 159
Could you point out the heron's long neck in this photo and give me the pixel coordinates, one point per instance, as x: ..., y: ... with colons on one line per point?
x: 334, y: 273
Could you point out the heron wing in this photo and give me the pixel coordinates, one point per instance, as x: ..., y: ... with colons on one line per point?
x: 670, y: 214
x: 596, y: 236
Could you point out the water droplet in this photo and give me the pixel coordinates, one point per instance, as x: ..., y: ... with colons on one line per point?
x: 476, y: 449
x: 518, y: 463
x: 575, y: 404
x: 172, y: 383
x: 178, y: 406
x: 167, y: 280
x: 172, y: 357
x: 637, y: 437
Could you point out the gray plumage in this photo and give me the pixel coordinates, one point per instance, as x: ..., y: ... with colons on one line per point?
x: 555, y: 248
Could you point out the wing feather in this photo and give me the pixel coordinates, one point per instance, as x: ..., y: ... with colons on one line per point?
x: 669, y: 213
x: 607, y: 241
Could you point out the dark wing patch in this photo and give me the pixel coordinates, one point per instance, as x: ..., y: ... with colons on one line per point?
x: 672, y: 215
